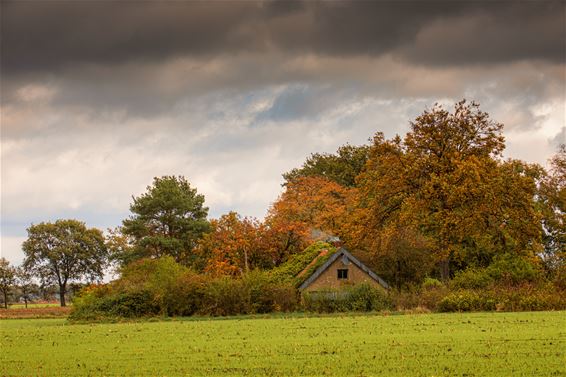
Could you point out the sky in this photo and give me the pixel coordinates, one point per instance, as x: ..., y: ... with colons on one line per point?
x: 97, y: 98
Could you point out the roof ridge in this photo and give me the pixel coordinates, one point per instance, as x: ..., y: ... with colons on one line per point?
x: 322, y: 253
x: 332, y: 259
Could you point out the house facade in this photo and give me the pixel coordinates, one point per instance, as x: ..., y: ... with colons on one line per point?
x: 340, y: 270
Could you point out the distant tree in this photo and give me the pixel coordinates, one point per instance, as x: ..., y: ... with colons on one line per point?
x: 342, y: 167
x: 168, y: 219
x: 7, y: 279
x: 64, y: 251
x: 24, y: 283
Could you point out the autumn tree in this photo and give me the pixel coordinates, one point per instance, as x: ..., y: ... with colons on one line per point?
x: 342, y: 167
x: 235, y: 246
x: 283, y: 238
x: 445, y: 181
x: 7, y: 279
x: 552, y: 196
x: 309, y: 208
x: 64, y: 251
x: 315, y: 201
x: 168, y: 219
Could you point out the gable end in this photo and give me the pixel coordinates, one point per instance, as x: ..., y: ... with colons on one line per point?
x: 344, y: 254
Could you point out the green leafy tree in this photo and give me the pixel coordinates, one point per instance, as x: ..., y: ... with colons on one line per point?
x: 342, y: 167
x: 25, y: 284
x: 169, y: 219
x: 7, y: 279
x: 64, y: 251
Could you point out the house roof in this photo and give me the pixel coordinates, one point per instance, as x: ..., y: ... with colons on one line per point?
x: 342, y: 253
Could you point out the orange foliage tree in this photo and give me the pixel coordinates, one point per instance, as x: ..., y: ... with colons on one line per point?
x: 446, y: 182
x: 235, y: 246
x: 310, y: 207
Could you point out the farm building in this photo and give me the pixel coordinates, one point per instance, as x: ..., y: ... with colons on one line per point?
x: 321, y: 266
x: 339, y: 269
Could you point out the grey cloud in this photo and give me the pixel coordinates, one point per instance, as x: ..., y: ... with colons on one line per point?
x: 495, y: 32
x: 50, y: 36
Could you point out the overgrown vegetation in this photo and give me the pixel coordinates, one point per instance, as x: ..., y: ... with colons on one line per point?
x: 358, y: 298
x: 300, y: 266
x: 162, y: 287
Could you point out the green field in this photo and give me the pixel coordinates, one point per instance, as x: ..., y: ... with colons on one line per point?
x: 478, y: 344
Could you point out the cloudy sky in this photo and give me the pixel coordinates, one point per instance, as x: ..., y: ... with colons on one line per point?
x: 97, y: 98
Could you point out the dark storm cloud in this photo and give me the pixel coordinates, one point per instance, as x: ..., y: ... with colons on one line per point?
x: 50, y: 35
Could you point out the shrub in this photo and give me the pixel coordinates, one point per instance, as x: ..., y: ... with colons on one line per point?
x: 186, y: 296
x: 129, y: 305
x: 86, y: 302
x: 362, y: 297
x: 513, y: 269
x: 472, y: 278
x: 225, y: 296
x: 431, y: 283
x: 102, y: 302
x: 465, y: 301
x: 268, y: 295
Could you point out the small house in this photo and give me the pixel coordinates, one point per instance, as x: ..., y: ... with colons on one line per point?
x: 340, y: 269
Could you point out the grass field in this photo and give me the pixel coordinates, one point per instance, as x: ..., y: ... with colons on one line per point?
x: 477, y: 344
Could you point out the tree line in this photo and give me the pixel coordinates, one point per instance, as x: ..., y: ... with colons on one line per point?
x: 437, y: 203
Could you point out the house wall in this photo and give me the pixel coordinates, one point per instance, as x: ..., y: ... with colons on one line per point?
x: 329, y: 278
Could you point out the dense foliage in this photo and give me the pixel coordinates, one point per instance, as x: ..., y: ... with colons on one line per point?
x: 341, y: 168
x: 163, y: 287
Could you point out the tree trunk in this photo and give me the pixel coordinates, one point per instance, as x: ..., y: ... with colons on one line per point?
x: 246, y: 260
x: 62, y: 292
x: 5, y: 299
x: 398, y: 275
x: 445, y: 270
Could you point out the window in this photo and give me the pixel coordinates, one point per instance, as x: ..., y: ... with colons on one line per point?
x: 342, y: 274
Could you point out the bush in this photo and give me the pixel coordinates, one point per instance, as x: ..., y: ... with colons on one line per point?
x: 129, y: 305
x: 525, y: 297
x: 512, y: 269
x: 186, y: 296
x: 431, y: 283
x: 362, y: 297
x: 472, y: 278
x: 268, y: 295
x: 466, y: 301
x: 225, y: 296
x: 101, y: 302
x: 425, y: 297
